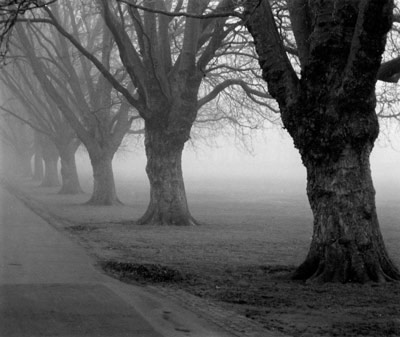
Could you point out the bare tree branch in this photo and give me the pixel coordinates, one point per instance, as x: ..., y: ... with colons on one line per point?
x: 222, y: 86
x: 10, y: 10
x: 26, y: 121
x: 184, y: 14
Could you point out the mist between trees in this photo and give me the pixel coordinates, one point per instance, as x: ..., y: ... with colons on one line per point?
x: 92, y: 73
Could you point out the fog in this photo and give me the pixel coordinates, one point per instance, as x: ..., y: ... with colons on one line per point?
x: 271, y: 166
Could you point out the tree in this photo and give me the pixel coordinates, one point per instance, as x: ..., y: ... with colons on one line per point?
x: 329, y: 111
x: 99, y: 117
x: 38, y: 168
x: 50, y: 158
x: 167, y: 61
x: 48, y: 124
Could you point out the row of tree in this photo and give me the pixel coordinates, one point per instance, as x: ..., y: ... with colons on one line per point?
x: 104, y: 65
x: 163, y: 73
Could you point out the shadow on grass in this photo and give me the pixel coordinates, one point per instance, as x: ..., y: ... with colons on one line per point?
x: 142, y: 273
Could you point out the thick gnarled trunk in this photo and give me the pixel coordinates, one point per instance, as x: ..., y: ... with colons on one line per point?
x: 69, y: 172
x: 335, y: 145
x: 104, y: 191
x: 329, y: 112
x: 168, y: 204
x: 347, y: 245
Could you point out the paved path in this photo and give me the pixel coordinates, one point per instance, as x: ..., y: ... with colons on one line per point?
x: 49, y: 287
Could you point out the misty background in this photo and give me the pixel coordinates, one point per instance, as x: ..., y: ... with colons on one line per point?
x: 268, y: 165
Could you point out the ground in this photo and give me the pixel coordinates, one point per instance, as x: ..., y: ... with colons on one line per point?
x: 241, y: 256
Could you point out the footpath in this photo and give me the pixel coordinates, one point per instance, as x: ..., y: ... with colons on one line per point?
x: 50, y: 287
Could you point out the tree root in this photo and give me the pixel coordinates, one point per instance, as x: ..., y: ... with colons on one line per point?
x: 318, y: 270
x: 157, y: 218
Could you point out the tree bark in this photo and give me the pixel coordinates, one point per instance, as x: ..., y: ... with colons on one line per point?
x: 50, y: 158
x: 168, y: 204
x: 50, y: 172
x: 69, y: 172
x: 38, y: 167
x: 347, y: 244
x: 330, y: 114
x: 104, y: 191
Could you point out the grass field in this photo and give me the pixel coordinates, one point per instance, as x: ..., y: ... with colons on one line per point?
x: 252, y: 235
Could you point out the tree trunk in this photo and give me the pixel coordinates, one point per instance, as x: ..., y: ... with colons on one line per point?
x: 50, y: 158
x: 104, y: 191
x: 38, y: 158
x: 168, y: 204
x: 38, y: 167
x: 330, y: 114
x: 50, y: 172
x: 347, y: 245
x: 335, y: 141
x: 69, y: 173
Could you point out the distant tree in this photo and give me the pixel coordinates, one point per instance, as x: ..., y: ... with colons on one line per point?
x: 38, y: 168
x: 50, y: 157
x: 99, y: 117
x: 16, y: 145
x: 329, y: 111
x: 46, y: 121
x: 166, y: 61
x: 169, y: 62
x: 48, y: 151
